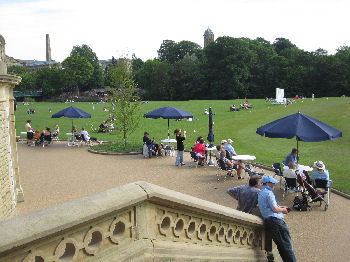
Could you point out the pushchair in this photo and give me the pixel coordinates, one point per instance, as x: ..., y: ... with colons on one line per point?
x: 157, y: 149
x: 38, y: 137
x: 41, y: 139
x: 315, y: 194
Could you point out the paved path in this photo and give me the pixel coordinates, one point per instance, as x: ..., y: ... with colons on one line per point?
x: 55, y: 174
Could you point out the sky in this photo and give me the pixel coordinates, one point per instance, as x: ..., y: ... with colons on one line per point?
x: 121, y: 28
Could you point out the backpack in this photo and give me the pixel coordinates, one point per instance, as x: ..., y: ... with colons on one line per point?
x: 300, y: 204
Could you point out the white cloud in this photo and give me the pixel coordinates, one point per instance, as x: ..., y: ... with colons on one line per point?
x: 112, y: 28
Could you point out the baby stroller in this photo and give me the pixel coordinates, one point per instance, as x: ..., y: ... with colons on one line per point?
x: 38, y: 137
x: 157, y: 150
x: 315, y: 194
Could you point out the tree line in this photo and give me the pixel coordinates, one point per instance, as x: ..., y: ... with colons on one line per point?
x: 227, y: 68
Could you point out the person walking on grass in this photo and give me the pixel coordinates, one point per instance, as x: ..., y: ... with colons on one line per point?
x: 180, y: 147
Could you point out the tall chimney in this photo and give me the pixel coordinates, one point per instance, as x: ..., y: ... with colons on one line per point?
x: 48, y: 48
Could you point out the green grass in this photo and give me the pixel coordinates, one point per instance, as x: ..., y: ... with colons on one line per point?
x: 239, y: 126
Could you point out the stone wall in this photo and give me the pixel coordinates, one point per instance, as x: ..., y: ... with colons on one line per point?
x: 134, y: 222
x: 10, y: 188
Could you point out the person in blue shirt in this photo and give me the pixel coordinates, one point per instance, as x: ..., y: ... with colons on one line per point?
x: 320, y: 173
x: 292, y: 159
x: 229, y: 148
x: 272, y: 214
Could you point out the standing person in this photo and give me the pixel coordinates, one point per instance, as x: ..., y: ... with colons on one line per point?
x: 247, y: 196
x: 272, y: 214
x: 148, y: 142
x: 292, y: 159
x: 30, y: 131
x: 180, y: 147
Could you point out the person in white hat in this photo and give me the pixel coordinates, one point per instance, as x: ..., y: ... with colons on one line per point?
x: 229, y: 148
x: 320, y: 173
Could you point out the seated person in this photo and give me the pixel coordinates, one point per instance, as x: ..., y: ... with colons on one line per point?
x: 228, y: 146
x: 47, y: 135
x: 103, y: 127
x: 199, y: 149
x: 234, y: 108
x: 86, y: 136
x: 111, y: 127
x: 292, y: 159
x: 76, y: 133
x: 232, y: 164
x: 320, y: 173
x: 219, y: 148
x: 56, y: 132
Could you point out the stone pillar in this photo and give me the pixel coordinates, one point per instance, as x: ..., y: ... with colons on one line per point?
x: 10, y: 188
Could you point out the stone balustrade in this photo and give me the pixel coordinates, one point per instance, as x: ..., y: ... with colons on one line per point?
x: 134, y: 222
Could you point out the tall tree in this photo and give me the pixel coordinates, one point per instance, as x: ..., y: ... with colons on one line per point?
x: 167, y: 51
x: 50, y: 80
x: 227, y: 68
x: 78, y: 71
x: 154, y: 80
x: 282, y: 43
x: 96, y: 81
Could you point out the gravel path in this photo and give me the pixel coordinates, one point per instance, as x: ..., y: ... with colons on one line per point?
x: 56, y: 174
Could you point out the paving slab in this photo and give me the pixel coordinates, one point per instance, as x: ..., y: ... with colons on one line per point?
x: 58, y: 173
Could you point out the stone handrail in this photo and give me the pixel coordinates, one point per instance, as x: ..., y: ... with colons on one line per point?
x: 135, y: 222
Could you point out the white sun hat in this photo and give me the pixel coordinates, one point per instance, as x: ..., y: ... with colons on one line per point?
x: 319, y: 165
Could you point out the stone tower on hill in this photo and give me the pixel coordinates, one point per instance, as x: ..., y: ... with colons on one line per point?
x: 208, y: 37
x: 48, y: 48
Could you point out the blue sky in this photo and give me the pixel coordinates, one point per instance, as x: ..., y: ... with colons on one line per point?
x: 120, y: 28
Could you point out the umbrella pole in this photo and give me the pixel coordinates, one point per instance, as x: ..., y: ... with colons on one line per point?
x: 297, y: 149
x: 72, y: 133
x: 168, y: 129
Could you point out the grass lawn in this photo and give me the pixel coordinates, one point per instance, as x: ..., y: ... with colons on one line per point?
x: 239, y: 126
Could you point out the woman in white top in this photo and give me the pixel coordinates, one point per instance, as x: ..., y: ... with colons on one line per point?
x: 56, y: 131
x: 86, y: 135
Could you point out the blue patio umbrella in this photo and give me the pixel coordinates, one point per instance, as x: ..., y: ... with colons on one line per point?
x: 71, y: 112
x: 210, y: 137
x: 304, y: 128
x: 168, y: 113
